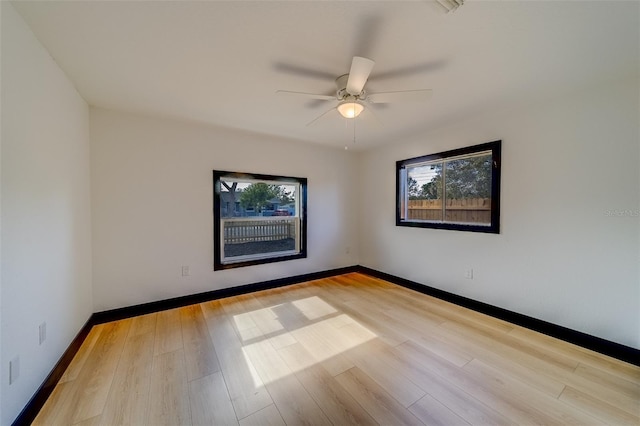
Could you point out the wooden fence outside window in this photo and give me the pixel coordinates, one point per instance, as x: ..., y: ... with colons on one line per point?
x: 244, y: 231
x: 466, y: 210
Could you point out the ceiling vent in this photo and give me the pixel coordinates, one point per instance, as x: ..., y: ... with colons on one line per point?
x: 450, y: 5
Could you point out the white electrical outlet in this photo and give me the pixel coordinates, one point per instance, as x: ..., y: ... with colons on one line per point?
x: 42, y: 330
x: 468, y: 274
x: 14, y: 370
x: 347, y: 250
x: 185, y: 271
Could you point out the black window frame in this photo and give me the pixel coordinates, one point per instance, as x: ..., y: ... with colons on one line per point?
x: 217, y: 249
x: 496, y: 152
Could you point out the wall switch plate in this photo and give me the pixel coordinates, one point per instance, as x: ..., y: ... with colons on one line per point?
x: 14, y: 370
x: 468, y: 274
x: 185, y: 271
x: 42, y: 330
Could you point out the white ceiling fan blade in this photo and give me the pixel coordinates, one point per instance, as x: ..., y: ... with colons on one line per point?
x: 307, y: 95
x: 319, y: 117
x: 358, y: 75
x: 399, y: 96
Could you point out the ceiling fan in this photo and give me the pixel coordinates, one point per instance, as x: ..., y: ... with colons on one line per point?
x: 352, y: 96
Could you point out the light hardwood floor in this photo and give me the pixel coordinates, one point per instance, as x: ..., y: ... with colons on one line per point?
x: 345, y: 350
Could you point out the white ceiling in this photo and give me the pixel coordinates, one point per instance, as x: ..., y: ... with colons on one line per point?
x: 222, y: 62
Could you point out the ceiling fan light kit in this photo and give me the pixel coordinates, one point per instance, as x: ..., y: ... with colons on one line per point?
x: 350, y: 108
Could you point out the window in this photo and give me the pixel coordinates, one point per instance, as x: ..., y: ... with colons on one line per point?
x: 258, y: 219
x: 457, y: 189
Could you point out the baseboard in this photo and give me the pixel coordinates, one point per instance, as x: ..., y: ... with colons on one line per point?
x: 178, y: 302
x: 597, y: 344
x: 33, y: 407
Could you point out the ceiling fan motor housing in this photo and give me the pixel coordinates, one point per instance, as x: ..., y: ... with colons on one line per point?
x: 342, y: 94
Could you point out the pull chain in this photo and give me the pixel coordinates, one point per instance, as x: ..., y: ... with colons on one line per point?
x: 354, y: 134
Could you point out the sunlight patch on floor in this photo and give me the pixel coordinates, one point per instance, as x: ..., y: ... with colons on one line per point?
x: 314, y: 307
x: 322, y: 340
x: 247, y: 323
x: 244, y: 321
x: 257, y: 381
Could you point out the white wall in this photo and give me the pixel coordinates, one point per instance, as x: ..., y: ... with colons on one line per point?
x: 559, y: 257
x: 45, y: 219
x: 152, y: 201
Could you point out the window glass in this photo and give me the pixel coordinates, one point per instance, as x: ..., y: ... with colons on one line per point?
x: 451, y: 190
x: 258, y: 219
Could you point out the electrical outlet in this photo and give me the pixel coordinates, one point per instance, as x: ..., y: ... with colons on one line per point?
x: 185, y: 271
x: 14, y: 370
x: 468, y: 274
x: 347, y: 250
x: 42, y: 329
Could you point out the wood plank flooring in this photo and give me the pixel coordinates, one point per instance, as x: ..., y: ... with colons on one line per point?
x: 345, y: 350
